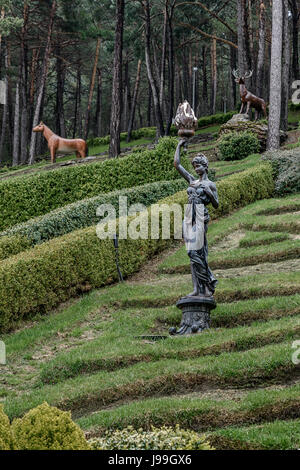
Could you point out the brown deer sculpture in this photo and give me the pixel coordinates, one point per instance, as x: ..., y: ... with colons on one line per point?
x: 249, y: 98
x: 59, y: 144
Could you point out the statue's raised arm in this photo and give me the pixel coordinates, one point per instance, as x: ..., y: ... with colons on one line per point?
x: 186, y: 175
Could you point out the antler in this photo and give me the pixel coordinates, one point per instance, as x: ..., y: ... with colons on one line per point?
x: 249, y: 74
x: 235, y: 73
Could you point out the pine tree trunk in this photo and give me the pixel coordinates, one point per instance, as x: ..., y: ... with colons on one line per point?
x: 127, y: 96
x: 134, y: 100
x: 261, y: 50
x: 171, y: 71
x: 42, y: 83
x: 295, y: 9
x: 285, y: 66
x: 92, y: 85
x: 233, y: 60
x: 163, y: 61
x: 16, y: 145
x: 5, y: 106
x: 60, y: 85
x: 157, y: 109
x: 97, y: 127
x: 213, y: 76
x: 241, y: 36
x: 116, y: 100
x: 205, y: 110
x: 275, y: 77
x: 77, y: 110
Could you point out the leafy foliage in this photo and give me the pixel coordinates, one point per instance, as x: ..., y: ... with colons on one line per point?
x: 286, y: 168
x: 5, y: 431
x: 164, y: 438
x: 47, y: 428
x: 237, y: 145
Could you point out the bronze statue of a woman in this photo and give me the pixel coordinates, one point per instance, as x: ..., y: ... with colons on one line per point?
x: 196, y: 306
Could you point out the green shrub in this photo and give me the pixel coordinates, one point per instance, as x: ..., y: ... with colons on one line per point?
x: 286, y: 170
x: 237, y: 145
x: 164, y: 438
x: 47, y: 428
x: 12, y: 244
x: 38, y: 279
x: 150, y: 132
x: 5, y: 431
x: 79, y: 215
x: 24, y: 197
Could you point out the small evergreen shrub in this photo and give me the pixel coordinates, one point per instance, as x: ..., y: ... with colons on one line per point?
x: 38, y: 279
x: 5, y: 431
x: 47, y: 428
x: 286, y: 170
x: 164, y: 438
x: 237, y: 145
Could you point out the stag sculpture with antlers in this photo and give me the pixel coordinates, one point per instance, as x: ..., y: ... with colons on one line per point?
x: 247, y: 97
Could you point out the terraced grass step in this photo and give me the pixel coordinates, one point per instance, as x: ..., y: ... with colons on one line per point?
x: 262, y: 238
x: 88, y: 393
x: 111, y: 352
x: 279, y: 435
x: 167, y: 291
x: 179, y: 262
x: 200, y: 414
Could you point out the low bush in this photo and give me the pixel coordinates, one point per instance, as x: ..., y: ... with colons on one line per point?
x: 286, y: 170
x: 79, y: 215
x: 24, y: 197
x: 47, y: 428
x: 12, y: 244
x: 5, y: 431
x: 164, y: 438
x: 237, y: 145
x: 38, y: 279
x: 150, y: 132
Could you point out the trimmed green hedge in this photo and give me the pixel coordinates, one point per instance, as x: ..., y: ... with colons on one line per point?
x: 37, y: 280
x: 79, y: 215
x: 24, y: 197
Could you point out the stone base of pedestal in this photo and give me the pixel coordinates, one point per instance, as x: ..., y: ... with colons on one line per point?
x: 195, y: 315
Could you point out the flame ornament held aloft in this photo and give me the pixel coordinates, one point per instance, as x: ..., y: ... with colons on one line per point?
x: 185, y: 117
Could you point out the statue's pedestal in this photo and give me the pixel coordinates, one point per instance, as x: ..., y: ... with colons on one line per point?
x: 195, y: 315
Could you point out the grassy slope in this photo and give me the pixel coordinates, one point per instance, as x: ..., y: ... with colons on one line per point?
x: 89, y: 355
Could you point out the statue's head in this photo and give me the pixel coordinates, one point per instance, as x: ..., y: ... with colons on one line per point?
x: 39, y: 127
x: 200, y: 164
x: 241, y: 78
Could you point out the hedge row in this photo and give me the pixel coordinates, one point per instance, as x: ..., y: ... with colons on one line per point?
x: 150, y: 132
x: 37, y: 280
x: 24, y: 197
x: 79, y: 215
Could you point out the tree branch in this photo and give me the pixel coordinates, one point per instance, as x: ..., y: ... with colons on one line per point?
x: 210, y: 36
x: 210, y: 12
